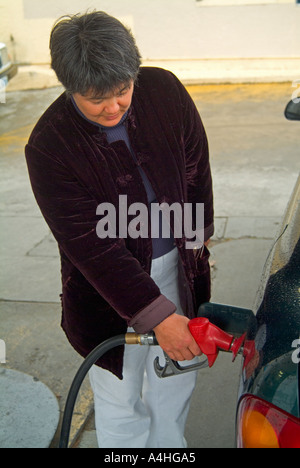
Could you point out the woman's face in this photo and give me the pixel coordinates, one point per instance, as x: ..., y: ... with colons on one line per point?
x: 105, y: 110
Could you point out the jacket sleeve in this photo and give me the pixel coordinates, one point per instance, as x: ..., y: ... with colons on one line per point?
x: 198, y: 171
x: 70, y: 211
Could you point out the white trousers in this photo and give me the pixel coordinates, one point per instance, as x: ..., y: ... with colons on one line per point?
x: 143, y: 410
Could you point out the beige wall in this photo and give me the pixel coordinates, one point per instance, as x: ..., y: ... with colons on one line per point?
x: 164, y: 29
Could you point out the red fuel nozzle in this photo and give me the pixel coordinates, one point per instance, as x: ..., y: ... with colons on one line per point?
x: 211, y: 339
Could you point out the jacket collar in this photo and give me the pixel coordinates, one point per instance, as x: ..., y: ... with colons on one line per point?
x: 92, y: 127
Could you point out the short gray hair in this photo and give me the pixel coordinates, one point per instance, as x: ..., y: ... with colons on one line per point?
x: 93, y: 51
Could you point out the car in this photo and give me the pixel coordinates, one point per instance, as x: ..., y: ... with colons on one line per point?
x: 268, y: 407
x: 8, y: 69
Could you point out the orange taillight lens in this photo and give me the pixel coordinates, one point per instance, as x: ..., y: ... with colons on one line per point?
x: 262, y: 425
x: 257, y: 432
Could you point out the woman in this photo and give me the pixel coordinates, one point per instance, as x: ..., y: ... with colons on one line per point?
x: 121, y: 130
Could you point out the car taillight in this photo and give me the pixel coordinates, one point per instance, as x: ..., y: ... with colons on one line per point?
x: 262, y: 425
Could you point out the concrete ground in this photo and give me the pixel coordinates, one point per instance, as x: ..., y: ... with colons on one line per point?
x: 255, y: 163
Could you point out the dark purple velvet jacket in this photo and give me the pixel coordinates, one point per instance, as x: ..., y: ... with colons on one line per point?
x: 106, y: 283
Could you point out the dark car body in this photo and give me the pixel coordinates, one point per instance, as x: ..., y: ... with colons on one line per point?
x: 268, y: 409
x: 7, y: 68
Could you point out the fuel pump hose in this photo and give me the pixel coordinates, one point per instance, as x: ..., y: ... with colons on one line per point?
x: 97, y: 353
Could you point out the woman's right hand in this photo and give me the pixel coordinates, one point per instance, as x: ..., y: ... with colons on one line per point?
x: 174, y: 337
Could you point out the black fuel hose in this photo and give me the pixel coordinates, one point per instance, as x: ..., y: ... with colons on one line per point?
x: 96, y: 354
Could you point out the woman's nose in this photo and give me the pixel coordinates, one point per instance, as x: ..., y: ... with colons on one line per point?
x: 112, y: 106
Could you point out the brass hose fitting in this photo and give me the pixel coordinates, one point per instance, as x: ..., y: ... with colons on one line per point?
x: 141, y: 339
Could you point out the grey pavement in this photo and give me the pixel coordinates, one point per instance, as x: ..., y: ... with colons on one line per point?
x: 255, y: 163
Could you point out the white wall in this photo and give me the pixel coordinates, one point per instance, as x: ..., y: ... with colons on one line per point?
x: 165, y: 29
